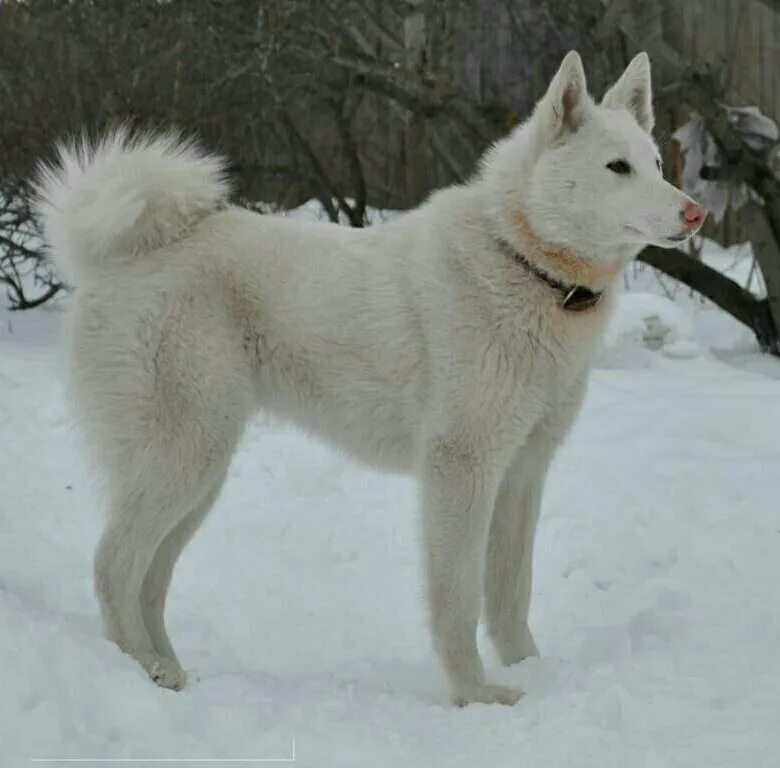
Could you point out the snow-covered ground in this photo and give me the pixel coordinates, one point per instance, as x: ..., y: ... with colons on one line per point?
x: 299, y: 610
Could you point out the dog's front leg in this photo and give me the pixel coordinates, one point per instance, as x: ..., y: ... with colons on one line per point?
x: 508, y: 569
x: 459, y: 484
x: 510, y: 552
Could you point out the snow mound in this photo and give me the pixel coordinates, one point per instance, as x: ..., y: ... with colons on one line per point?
x: 643, y: 325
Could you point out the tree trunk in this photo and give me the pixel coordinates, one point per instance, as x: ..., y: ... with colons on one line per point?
x: 416, y: 145
x: 767, y: 253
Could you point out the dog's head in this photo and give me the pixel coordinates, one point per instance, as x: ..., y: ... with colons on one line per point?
x: 588, y: 175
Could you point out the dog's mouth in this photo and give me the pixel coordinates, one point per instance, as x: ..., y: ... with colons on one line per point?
x: 678, y: 237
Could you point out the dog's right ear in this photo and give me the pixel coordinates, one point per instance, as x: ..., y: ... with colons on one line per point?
x: 563, y: 107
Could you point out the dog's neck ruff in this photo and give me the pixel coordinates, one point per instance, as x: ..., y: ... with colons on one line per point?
x: 580, y: 281
x: 574, y: 297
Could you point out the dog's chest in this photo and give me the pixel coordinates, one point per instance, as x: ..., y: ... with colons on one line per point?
x: 542, y: 366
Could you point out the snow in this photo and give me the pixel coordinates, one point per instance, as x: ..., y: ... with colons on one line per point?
x: 298, y: 607
x: 713, y: 330
x: 736, y: 262
x: 644, y: 322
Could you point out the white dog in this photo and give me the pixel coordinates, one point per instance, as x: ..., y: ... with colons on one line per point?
x: 453, y: 342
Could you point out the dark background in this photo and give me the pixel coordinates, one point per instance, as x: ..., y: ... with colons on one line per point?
x: 363, y: 103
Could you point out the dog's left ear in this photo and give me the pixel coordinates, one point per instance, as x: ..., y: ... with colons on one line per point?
x: 634, y: 92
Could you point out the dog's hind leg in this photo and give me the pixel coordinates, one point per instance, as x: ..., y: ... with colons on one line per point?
x: 158, y: 578
x: 138, y: 525
x: 165, y: 405
x: 167, y: 489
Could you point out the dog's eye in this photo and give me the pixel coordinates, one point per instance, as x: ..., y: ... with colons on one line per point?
x: 658, y: 163
x: 619, y: 166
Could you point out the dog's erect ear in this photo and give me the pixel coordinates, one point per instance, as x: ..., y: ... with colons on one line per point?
x: 634, y: 92
x: 564, y: 104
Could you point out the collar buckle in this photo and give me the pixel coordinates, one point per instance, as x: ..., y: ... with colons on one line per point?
x: 574, y: 298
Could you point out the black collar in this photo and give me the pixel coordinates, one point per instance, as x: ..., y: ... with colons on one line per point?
x: 574, y: 298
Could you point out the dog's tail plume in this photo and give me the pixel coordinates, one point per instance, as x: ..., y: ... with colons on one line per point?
x: 111, y: 202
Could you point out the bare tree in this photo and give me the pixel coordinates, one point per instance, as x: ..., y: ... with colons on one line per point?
x: 703, y: 92
x: 353, y: 102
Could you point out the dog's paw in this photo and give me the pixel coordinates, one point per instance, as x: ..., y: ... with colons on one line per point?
x: 487, y: 694
x: 513, y: 650
x: 167, y: 674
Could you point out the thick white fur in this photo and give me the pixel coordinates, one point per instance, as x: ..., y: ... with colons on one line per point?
x: 125, y: 197
x: 419, y: 346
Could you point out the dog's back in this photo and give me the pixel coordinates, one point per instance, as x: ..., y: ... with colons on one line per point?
x: 176, y: 288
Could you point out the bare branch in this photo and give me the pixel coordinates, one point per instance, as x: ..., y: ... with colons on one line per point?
x: 737, y: 301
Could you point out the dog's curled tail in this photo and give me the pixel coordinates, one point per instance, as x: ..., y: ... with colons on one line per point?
x: 109, y: 203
